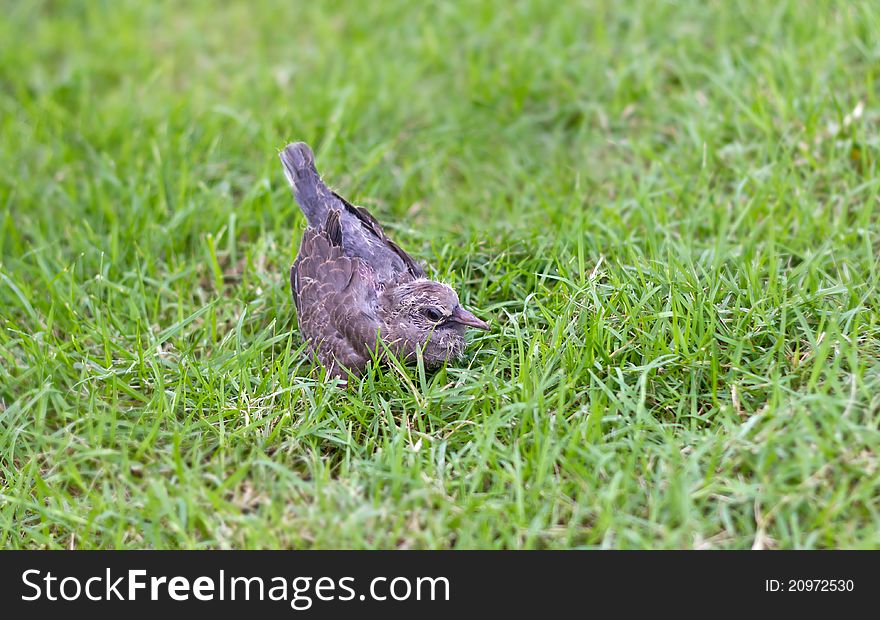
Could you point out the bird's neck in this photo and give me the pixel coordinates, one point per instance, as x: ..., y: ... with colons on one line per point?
x: 393, y: 326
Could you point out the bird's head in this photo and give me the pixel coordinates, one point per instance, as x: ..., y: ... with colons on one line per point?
x: 427, y: 315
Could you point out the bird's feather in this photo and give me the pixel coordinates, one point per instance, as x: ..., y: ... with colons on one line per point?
x: 362, y: 235
x: 371, y: 224
x: 328, y: 289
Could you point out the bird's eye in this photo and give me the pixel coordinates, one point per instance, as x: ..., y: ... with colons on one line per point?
x: 432, y: 314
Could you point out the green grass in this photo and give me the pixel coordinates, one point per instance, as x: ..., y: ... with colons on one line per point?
x: 668, y: 210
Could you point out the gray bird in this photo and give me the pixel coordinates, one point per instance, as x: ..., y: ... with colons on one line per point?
x: 353, y: 286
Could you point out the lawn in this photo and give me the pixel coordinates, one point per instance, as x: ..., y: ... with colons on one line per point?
x: 668, y: 211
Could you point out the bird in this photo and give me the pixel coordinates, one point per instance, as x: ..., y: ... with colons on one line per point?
x: 357, y: 293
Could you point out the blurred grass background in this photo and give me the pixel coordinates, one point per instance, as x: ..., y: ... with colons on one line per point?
x: 667, y: 209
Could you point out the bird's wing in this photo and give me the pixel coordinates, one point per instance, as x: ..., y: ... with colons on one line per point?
x: 333, y: 294
x: 372, y: 225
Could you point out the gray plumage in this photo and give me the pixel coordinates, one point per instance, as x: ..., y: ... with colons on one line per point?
x: 353, y: 286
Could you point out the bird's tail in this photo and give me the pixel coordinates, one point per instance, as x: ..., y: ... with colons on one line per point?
x: 314, y: 198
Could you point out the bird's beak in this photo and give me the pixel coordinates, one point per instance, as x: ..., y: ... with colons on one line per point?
x: 460, y: 315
